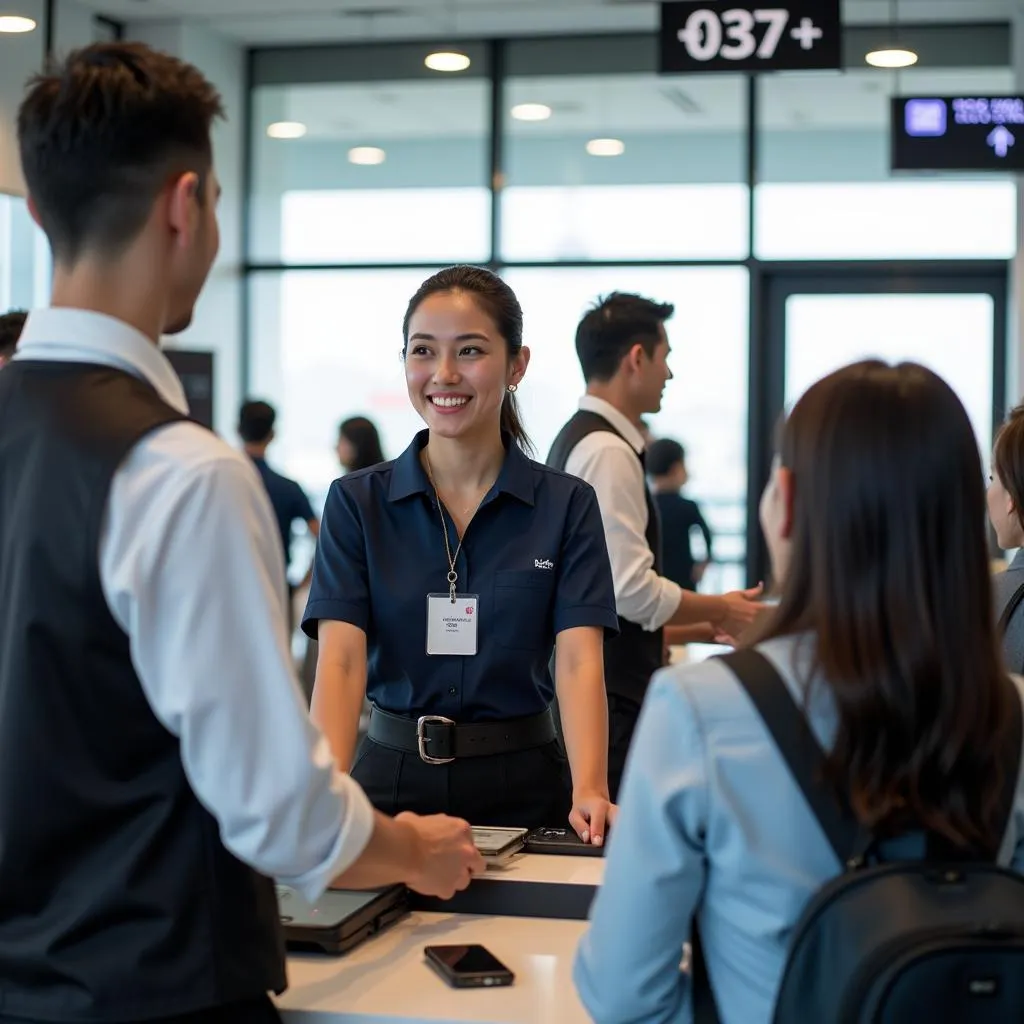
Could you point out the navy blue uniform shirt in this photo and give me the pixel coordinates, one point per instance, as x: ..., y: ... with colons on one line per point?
x: 534, y: 554
x: 288, y: 501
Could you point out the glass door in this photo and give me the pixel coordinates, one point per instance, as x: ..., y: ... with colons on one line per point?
x: 821, y: 319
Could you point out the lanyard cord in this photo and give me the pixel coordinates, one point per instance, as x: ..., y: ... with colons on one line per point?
x: 453, y: 576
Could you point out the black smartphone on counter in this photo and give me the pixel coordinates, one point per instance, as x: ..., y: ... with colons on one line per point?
x: 561, y: 840
x: 468, y: 966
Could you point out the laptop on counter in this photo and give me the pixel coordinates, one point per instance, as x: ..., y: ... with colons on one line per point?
x: 340, y: 919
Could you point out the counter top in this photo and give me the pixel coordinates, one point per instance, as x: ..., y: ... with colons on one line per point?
x: 387, y: 979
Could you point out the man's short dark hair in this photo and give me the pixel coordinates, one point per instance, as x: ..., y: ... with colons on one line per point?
x: 663, y: 456
x: 103, y: 133
x: 256, y: 422
x: 11, y: 326
x: 612, y: 327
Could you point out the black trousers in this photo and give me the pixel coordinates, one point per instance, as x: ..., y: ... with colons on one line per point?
x: 622, y: 719
x: 525, y: 789
x: 252, y: 1011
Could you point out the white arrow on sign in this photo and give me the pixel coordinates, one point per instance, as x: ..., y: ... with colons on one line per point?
x: 1001, y: 140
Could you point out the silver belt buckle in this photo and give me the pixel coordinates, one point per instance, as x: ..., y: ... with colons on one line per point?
x: 422, y: 739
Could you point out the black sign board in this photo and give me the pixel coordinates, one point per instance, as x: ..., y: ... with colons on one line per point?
x: 963, y: 133
x: 794, y: 35
x: 196, y: 372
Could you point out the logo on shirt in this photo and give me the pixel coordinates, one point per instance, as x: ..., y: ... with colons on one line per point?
x: 543, y: 563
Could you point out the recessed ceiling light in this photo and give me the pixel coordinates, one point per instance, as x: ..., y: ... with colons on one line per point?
x: 531, y: 111
x: 14, y: 23
x: 366, y: 156
x: 891, y: 57
x: 606, y: 147
x: 447, y: 61
x: 286, y: 130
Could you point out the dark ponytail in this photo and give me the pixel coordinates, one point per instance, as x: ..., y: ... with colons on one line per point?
x: 499, y: 302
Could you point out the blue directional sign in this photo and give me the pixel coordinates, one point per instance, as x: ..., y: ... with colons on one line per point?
x: 963, y: 133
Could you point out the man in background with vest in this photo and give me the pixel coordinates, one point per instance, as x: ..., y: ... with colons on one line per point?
x: 11, y: 326
x: 623, y: 351
x: 157, y: 766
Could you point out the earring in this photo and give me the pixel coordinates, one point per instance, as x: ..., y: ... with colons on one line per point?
x: 512, y: 388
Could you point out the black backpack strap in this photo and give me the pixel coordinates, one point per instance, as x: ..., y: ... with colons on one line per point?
x: 1011, y: 769
x: 1011, y: 607
x: 800, y: 749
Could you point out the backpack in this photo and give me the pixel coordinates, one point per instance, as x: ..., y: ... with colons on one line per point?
x: 939, y: 940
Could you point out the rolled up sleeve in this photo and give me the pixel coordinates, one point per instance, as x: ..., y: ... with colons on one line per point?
x: 192, y: 570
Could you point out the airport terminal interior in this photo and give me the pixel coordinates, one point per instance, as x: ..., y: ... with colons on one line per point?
x: 695, y: 222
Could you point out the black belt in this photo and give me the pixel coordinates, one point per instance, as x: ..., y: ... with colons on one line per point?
x: 439, y: 740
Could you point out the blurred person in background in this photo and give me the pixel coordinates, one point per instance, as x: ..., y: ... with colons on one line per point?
x: 11, y: 326
x: 256, y: 421
x: 623, y: 348
x: 1006, y: 512
x: 666, y: 466
x: 358, y: 444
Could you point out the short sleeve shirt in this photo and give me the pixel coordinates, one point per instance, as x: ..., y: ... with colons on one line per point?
x: 534, y: 555
x: 289, y: 502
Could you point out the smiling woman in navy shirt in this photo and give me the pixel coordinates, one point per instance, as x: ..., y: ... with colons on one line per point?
x: 444, y: 579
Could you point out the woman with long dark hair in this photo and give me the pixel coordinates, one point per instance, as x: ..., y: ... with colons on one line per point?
x: 874, y: 520
x: 444, y: 581
x: 358, y: 444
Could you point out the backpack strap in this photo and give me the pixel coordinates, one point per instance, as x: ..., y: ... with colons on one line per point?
x: 801, y: 751
x: 1011, y: 769
x: 1011, y: 607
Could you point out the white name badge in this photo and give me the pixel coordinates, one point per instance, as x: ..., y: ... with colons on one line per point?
x: 451, y: 628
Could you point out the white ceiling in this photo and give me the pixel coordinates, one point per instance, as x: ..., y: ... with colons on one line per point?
x: 270, y: 22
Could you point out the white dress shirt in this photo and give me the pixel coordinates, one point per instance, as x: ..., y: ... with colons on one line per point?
x: 191, y: 567
x: 610, y: 465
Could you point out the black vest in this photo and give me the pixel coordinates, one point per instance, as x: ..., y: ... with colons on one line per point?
x: 631, y: 658
x: 118, y: 902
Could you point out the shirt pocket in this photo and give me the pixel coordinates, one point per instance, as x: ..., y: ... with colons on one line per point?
x: 522, y: 608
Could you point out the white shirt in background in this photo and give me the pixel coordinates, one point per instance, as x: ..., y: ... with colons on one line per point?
x: 610, y: 465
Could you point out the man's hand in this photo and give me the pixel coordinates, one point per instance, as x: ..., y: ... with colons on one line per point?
x: 446, y: 859
x: 592, y: 814
x: 740, y: 609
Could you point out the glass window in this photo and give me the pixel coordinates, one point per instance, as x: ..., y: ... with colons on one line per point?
x: 624, y: 166
x: 950, y: 334
x: 24, y: 258
x: 705, y: 406
x: 390, y: 171
x: 825, y: 190
x: 326, y: 345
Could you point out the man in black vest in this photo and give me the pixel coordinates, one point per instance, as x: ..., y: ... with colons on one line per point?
x: 623, y: 350
x: 11, y: 326
x: 157, y: 767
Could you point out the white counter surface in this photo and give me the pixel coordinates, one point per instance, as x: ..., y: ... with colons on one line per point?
x: 534, y: 867
x: 387, y: 980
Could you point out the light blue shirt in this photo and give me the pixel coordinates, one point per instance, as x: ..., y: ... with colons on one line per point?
x: 711, y: 825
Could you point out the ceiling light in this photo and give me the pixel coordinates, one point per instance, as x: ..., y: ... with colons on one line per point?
x: 366, y: 156
x: 606, y: 147
x: 15, y: 23
x: 891, y: 58
x: 447, y: 61
x: 286, y: 130
x: 531, y: 111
